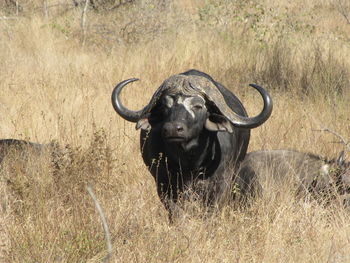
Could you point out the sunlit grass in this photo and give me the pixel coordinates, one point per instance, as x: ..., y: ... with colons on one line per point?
x: 52, y: 88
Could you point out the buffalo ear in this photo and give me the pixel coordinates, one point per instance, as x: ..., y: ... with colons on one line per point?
x: 143, y: 124
x: 216, y: 122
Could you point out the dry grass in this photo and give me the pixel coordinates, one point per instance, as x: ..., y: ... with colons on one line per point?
x: 52, y: 88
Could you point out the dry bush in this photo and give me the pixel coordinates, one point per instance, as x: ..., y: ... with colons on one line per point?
x: 319, y: 70
x: 52, y: 88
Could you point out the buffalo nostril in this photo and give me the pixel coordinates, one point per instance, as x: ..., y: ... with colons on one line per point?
x: 179, y: 128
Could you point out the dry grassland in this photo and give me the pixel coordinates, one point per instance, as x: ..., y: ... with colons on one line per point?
x: 53, y: 88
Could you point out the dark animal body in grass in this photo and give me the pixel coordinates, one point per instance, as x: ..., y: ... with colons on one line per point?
x: 19, y: 146
x: 192, y: 130
x: 18, y: 152
x: 309, y: 174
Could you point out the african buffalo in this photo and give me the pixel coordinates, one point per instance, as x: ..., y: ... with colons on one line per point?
x: 192, y: 130
x: 22, y: 151
x: 308, y: 173
x: 20, y: 146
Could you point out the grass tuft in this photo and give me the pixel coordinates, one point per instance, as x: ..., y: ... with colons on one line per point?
x: 53, y: 88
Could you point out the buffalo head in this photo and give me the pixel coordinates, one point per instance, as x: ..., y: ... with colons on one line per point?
x: 184, y: 105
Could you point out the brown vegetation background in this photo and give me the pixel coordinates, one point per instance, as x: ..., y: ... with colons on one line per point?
x: 58, y: 66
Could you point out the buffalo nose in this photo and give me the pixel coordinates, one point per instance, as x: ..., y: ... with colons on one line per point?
x: 179, y: 128
x: 174, y: 129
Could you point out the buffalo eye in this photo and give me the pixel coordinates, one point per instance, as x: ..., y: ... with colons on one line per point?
x: 158, y: 113
x: 197, y: 107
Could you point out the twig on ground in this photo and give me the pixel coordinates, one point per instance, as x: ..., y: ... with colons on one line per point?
x: 8, y: 18
x: 104, y: 223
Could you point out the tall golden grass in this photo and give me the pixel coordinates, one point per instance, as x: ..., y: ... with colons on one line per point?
x: 53, y: 88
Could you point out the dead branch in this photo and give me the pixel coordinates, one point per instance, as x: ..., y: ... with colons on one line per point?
x: 343, y: 8
x: 339, y: 136
x: 45, y: 9
x: 8, y: 18
x: 104, y: 224
x: 83, y: 20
